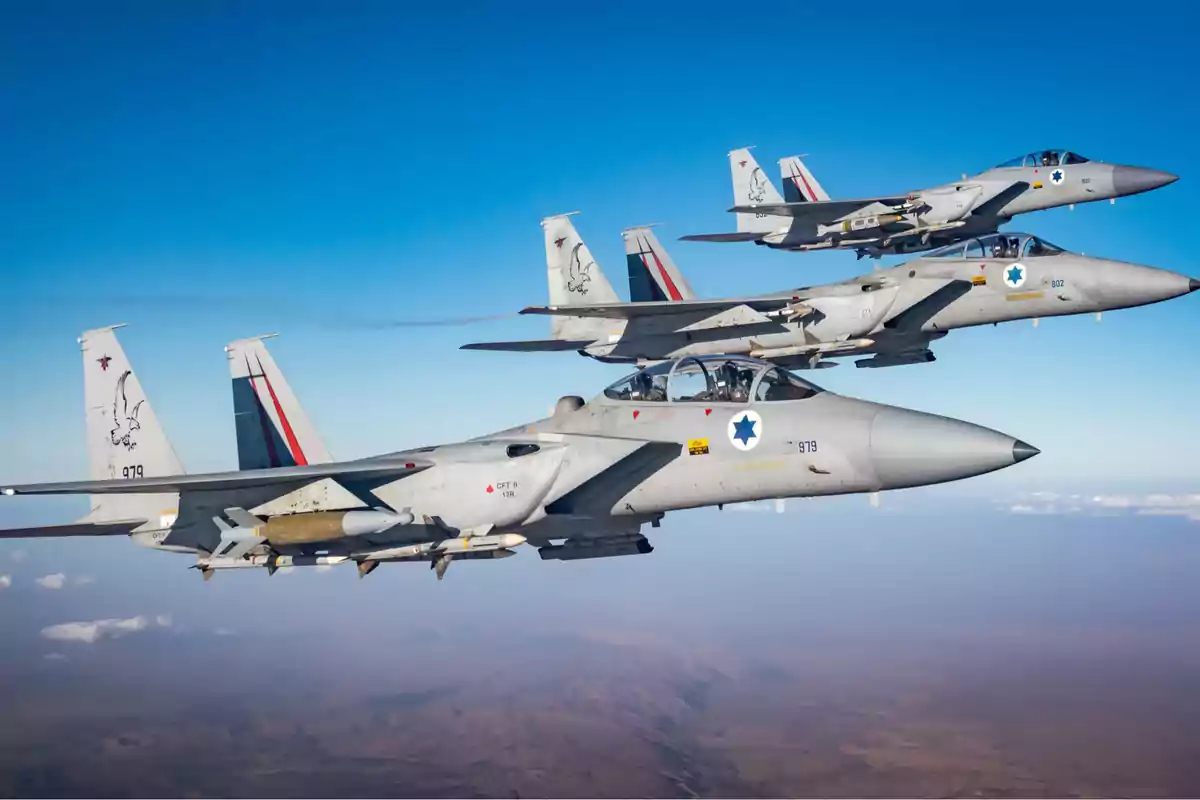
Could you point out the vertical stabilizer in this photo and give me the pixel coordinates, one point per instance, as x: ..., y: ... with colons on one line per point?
x: 272, y: 428
x: 799, y: 185
x: 124, y: 437
x: 575, y: 279
x: 751, y: 186
x: 653, y: 275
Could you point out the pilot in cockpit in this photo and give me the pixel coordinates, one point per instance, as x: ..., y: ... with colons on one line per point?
x: 1049, y: 159
x: 745, y: 379
x: 733, y: 384
x: 998, y: 247
x: 644, y: 388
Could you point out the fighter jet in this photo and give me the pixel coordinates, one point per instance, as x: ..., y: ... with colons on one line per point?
x: 891, y: 315
x: 579, y: 484
x: 918, y: 220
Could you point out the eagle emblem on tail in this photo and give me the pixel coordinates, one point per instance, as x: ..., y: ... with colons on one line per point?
x: 125, y: 418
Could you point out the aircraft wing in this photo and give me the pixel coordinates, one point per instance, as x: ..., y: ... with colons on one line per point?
x: 596, y: 496
x: 823, y: 211
x: 532, y: 346
x: 652, y: 308
x: 999, y: 200
x: 748, y: 236
x: 217, y: 481
x: 118, y: 528
x: 912, y: 318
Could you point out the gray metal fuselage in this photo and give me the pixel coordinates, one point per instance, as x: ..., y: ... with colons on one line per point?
x: 1051, y: 285
x: 1005, y: 192
x: 610, y: 465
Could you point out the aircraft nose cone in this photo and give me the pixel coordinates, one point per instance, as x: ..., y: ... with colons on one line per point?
x: 1133, y: 180
x: 1120, y: 285
x: 910, y: 448
x: 1022, y: 451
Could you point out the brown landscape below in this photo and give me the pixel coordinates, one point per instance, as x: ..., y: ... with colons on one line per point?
x: 932, y: 714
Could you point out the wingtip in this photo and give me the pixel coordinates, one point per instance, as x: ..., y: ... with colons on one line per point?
x: 633, y: 228
x: 558, y: 216
x: 249, y: 339
x: 101, y: 329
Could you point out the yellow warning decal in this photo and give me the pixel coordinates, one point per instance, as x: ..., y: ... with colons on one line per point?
x: 1024, y: 296
x: 978, y: 280
x: 697, y: 447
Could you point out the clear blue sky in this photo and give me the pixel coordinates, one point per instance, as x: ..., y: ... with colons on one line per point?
x: 211, y: 171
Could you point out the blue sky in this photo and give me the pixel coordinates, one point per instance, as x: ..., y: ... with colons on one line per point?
x: 209, y: 171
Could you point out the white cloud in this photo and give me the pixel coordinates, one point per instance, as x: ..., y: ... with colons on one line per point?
x: 84, y: 580
x: 17, y: 555
x: 225, y: 632
x: 1156, y: 505
x: 1021, y: 508
x: 90, y: 632
x: 5, y: 581
x: 54, y: 657
x: 55, y: 581
x: 759, y: 506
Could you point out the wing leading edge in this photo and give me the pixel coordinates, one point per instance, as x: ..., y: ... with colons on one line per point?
x: 651, y: 308
x: 824, y: 211
x: 218, y: 481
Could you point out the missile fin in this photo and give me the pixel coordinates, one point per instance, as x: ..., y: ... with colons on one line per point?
x: 441, y: 565
x: 243, y: 518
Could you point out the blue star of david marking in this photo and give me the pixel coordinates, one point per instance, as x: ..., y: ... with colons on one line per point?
x: 744, y: 429
x: 1014, y: 274
x: 1056, y: 176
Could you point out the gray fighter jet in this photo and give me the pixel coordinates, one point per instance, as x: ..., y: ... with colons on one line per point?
x: 919, y: 220
x: 579, y: 484
x: 891, y: 315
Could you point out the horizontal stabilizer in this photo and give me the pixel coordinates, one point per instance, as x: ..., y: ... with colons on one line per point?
x: 533, y: 345
x: 827, y: 210
x: 220, y: 481
x: 748, y: 236
x: 118, y: 528
x: 653, y: 308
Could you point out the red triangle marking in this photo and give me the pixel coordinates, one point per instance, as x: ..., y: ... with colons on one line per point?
x: 707, y: 411
x: 635, y: 414
x: 490, y: 489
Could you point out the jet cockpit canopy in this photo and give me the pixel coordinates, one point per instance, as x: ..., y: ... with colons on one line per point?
x: 711, y: 379
x: 1007, y: 246
x: 1045, y: 158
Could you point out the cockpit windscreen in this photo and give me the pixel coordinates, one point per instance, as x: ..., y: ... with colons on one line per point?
x: 712, y: 379
x: 1044, y: 158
